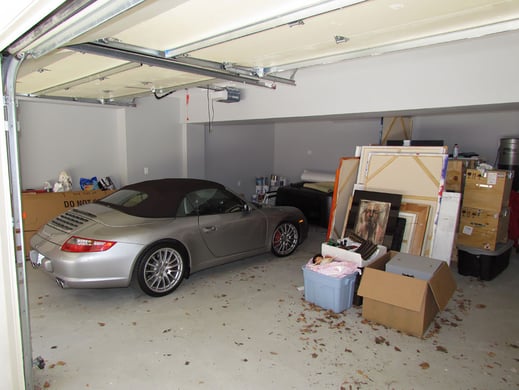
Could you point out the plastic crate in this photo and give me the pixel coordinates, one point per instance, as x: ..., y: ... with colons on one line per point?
x: 485, y: 265
x: 329, y: 292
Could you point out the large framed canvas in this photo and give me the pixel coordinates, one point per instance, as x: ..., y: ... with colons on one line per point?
x: 342, y: 194
x: 416, y: 172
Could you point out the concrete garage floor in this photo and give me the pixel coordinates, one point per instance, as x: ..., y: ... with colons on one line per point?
x: 247, y: 326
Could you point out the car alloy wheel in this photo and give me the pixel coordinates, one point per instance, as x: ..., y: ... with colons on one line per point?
x: 285, y: 239
x: 161, y: 269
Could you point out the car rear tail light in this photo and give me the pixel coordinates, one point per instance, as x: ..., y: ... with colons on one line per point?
x: 80, y: 244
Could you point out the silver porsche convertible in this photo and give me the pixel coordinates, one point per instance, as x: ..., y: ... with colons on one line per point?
x: 159, y: 232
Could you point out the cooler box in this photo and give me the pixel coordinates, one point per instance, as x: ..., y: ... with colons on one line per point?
x: 413, y: 266
x: 329, y: 292
x: 485, y: 265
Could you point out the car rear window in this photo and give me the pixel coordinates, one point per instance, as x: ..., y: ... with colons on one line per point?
x: 125, y: 198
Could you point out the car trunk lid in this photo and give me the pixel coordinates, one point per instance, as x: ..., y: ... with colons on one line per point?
x: 74, y: 221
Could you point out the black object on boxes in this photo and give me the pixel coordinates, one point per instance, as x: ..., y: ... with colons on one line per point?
x: 314, y: 204
x: 485, y: 265
x: 357, y: 299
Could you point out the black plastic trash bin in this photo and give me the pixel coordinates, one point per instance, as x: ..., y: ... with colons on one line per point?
x: 485, y: 265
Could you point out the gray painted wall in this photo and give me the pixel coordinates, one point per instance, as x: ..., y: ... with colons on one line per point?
x: 319, y: 144
x: 85, y: 141
x: 96, y: 141
x: 236, y: 154
x: 195, y: 145
x: 478, y: 132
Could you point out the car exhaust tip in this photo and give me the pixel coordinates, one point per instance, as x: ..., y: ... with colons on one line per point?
x: 60, y: 283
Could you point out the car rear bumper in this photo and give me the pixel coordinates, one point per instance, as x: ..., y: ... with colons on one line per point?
x: 112, y: 268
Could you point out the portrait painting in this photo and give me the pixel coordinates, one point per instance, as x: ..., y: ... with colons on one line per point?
x: 372, y: 220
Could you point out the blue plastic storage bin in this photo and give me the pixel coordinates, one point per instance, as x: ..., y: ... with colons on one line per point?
x: 329, y: 292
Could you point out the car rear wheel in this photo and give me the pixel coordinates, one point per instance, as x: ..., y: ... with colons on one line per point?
x: 285, y: 239
x: 161, y: 269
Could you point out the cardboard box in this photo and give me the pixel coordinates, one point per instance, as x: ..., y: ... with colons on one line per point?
x: 489, y: 190
x: 27, y: 234
x: 413, y: 266
x: 329, y: 292
x: 347, y: 255
x: 40, y: 207
x: 483, y: 228
x: 404, y: 303
x: 454, y: 177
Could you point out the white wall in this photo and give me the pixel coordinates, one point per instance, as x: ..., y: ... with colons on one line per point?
x: 474, y: 72
x: 155, y: 140
x: 88, y: 141
x: 83, y: 140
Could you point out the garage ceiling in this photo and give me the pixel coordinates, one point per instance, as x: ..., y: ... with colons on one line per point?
x: 113, y: 51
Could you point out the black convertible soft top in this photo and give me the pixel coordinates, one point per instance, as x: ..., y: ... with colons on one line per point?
x: 162, y: 199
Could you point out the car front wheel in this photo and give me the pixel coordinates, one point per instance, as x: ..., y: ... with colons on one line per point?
x: 161, y: 269
x: 285, y: 239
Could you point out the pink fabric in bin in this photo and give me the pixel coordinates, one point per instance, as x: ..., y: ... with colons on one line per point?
x: 336, y: 269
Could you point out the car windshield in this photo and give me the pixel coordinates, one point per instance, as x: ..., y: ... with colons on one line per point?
x: 125, y: 198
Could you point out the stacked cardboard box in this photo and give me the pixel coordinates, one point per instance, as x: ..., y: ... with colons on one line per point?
x: 484, y: 213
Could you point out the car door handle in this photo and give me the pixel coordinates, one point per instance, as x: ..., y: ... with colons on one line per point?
x: 208, y: 229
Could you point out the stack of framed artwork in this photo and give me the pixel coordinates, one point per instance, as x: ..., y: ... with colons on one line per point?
x: 416, y: 174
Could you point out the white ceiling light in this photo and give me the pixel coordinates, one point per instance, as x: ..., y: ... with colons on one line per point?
x: 340, y: 39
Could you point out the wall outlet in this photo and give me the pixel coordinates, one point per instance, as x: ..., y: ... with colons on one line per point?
x: 146, y: 171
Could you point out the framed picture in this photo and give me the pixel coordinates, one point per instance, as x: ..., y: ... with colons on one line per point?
x: 387, y: 203
x: 416, y: 233
x: 410, y: 223
x: 372, y: 220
